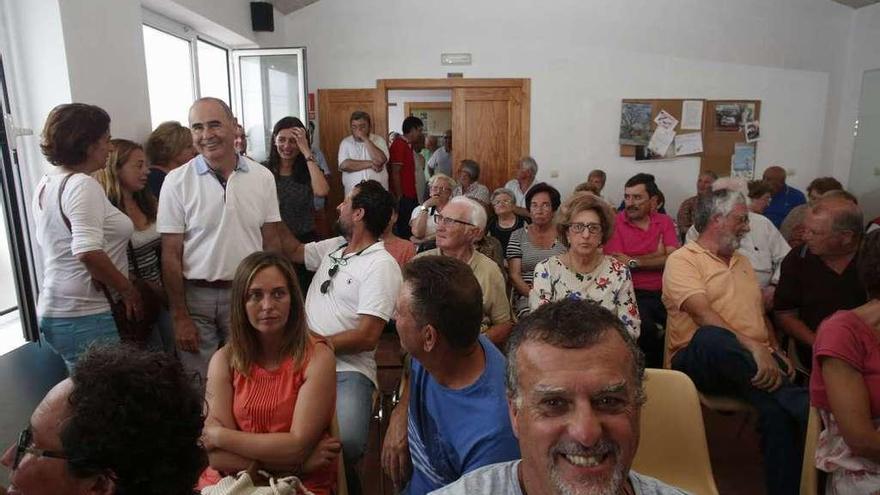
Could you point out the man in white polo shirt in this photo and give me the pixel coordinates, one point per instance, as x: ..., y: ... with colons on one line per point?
x: 215, y: 210
x: 350, y: 300
x: 363, y: 155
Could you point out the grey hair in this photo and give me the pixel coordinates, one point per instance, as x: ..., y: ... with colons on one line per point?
x: 477, y: 211
x: 441, y: 176
x: 570, y: 324
x: 218, y: 101
x: 720, y: 202
x: 529, y: 163
x: 845, y: 215
x: 503, y: 190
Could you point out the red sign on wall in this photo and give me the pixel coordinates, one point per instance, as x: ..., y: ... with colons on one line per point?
x: 311, y: 106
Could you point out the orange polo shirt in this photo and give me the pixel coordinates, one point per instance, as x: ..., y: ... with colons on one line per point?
x: 733, y: 293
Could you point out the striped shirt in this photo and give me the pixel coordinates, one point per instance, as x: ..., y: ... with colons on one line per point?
x: 144, y: 254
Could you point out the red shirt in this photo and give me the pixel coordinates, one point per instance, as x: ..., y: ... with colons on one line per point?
x: 401, y: 152
x: 630, y: 240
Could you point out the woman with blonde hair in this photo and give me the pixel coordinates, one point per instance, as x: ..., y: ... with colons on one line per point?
x: 169, y: 146
x: 585, y: 223
x: 124, y: 179
x: 271, y: 389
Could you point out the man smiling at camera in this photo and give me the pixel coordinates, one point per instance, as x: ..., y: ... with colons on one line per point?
x: 574, y: 387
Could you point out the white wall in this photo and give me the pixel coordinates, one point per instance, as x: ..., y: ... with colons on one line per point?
x: 584, y: 56
x: 398, y: 97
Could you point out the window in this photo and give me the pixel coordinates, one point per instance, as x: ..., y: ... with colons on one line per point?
x: 181, y: 66
x: 18, y: 317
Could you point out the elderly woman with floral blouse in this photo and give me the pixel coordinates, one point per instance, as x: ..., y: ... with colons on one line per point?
x: 584, y: 224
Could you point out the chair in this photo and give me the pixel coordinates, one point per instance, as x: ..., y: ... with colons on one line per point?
x: 673, y: 444
x: 809, y: 473
x: 341, y: 483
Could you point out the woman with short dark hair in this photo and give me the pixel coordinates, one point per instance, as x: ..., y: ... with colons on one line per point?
x: 533, y: 243
x: 169, y: 146
x: 82, y: 236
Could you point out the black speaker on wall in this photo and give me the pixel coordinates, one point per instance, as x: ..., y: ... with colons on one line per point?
x: 262, y: 16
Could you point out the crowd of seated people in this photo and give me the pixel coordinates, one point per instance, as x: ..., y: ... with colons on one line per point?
x: 278, y: 324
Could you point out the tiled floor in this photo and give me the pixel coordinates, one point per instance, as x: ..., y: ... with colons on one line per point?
x: 733, y: 442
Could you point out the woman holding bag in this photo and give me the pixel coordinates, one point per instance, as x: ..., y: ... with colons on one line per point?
x: 125, y: 179
x: 82, y: 236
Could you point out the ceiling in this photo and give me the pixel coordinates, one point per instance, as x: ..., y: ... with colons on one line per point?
x: 288, y: 6
x: 853, y: 3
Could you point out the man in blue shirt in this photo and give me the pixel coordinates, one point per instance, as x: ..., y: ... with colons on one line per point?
x: 784, y: 198
x: 454, y: 405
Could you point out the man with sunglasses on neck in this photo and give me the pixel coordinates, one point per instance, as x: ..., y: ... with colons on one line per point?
x: 350, y: 300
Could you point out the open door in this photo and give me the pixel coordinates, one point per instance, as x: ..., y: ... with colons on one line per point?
x: 491, y: 126
x: 335, y: 107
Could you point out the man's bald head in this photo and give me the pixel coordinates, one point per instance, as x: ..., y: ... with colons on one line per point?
x: 775, y: 176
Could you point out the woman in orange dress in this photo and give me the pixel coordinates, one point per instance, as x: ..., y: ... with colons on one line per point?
x: 271, y: 389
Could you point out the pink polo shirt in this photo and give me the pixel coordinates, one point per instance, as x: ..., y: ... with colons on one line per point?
x: 631, y: 240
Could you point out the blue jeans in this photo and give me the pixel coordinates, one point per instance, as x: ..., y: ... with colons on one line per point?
x: 719, y: 364
x: 354, y: 406
x: 69, y: 337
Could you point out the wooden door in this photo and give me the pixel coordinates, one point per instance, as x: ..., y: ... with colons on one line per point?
x: 335, y: 107
x: 491, y: 126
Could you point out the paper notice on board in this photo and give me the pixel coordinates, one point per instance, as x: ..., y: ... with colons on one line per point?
x: 688, y: 144
x: 665, y: 120
x: 692, y: 115
x: 743, y: 161
x: 660, y: 140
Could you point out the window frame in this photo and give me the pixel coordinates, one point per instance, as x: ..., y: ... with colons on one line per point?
x: 191, y: 36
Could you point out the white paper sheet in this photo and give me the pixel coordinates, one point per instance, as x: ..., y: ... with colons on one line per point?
x: 692, y: 115
x: 665, y: 120
x: 660, y: 140
x: 688, y: 144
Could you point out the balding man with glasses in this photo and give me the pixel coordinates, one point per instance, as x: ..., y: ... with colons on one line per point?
x: 350, y: 300
x: 459, y: 226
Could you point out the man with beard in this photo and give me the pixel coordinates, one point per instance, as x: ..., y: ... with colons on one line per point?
x: 350, y: 300
x: 642, y: 240
x: 574, y: 393
x: 718, y: 336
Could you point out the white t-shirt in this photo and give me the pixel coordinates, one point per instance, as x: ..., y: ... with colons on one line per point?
x: 513, y: 186
x: 349, y: 149
x: 365, y: 284
x: 441, y: 161
x: 95, y: 224
x: 430, y: 224
x: 220, y: 226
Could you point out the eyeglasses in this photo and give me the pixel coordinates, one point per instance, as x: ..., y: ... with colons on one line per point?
x: 441, y: 220
x: 542, y: 206
x: 24, y: 447
x: 578, y: 228
x: 502, y: 202
x: 441, y: 189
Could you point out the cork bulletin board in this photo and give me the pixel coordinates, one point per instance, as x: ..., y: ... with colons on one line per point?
x: 722, y: 127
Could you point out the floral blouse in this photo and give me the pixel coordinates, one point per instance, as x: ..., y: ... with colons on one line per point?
x: 609, y: 285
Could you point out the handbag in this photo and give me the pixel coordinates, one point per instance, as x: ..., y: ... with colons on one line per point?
x: 135, y: 332
x: 243, y: 484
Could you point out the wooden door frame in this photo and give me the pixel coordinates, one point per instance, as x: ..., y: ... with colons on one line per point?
x: 380, y: 121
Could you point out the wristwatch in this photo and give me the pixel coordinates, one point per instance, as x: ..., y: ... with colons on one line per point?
x: 632, y: 263
x: 423, y: 208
